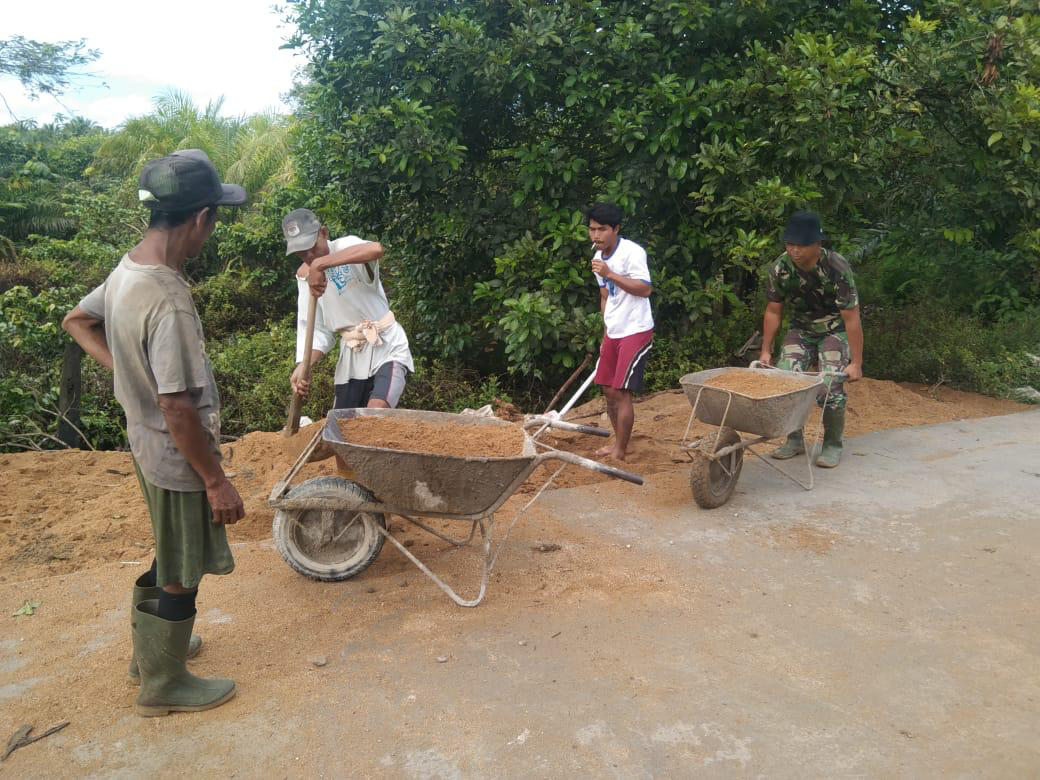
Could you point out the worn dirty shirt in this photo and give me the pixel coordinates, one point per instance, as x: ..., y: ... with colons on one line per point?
x: 816, y: 297
x: 354, y: 294
x: 157, y: 346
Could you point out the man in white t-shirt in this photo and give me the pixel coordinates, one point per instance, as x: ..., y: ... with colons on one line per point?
x: 624, y: 298
x: 344, y: 276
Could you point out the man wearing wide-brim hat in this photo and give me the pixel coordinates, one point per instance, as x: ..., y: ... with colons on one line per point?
x: 825, y: 329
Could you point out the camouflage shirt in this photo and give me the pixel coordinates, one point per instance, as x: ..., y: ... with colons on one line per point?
x: 815, y: 297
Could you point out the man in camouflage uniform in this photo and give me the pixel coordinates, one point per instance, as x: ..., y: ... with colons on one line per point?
x: 825, y: 328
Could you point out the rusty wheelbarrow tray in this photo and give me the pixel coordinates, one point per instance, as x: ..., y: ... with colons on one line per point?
x: 717, y: 459
x: 332, y: 528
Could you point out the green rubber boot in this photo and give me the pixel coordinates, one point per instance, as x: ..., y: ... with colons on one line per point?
x: 795, y: 445
x: 161, y: 648
x: 145, y: 594
x: 833, y: 430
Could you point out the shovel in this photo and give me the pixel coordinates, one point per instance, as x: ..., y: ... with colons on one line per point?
x: 295, y: 405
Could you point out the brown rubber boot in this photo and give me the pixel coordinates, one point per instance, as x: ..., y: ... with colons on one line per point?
x: 144, y: 594
x: 161, y: 648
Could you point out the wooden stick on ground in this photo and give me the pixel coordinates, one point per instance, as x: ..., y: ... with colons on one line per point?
x: 568, y: 383
x: 21, y: 737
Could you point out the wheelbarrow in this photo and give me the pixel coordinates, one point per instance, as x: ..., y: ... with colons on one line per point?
x: 717, y: 459
x: 333, y: 528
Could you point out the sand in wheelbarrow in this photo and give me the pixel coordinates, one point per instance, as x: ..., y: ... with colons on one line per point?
x: 757, y: 385
x: 434, y: 438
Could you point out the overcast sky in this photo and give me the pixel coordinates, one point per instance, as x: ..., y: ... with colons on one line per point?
x: 207, y: 48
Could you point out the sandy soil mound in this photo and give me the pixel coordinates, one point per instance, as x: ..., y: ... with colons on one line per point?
x: 492, y: 440
x: 63, y: 511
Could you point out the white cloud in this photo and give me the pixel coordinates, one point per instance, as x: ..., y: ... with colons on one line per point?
x: 207, y: 48
x: 111, y: 111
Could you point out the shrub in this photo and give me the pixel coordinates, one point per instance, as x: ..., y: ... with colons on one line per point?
x: 252, y: 371
x: 240, y: 301
x: 442, y: 386
x: 930, y: 344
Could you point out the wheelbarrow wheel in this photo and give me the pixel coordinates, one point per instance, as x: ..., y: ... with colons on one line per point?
x: 712, y: 481
x: 329, y: 544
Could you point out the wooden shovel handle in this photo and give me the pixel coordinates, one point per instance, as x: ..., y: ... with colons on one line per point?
x: 292, y: 425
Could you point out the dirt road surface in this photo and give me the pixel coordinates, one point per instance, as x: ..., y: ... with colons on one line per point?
x: 884, y: 624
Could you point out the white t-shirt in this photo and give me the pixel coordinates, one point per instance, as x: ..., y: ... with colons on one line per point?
x: 626, y: 314
x: 354, y: 294
x: 155, y: 337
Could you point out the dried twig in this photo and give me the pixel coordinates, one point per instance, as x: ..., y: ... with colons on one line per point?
x: 21, y: 737
x: 62, y: 416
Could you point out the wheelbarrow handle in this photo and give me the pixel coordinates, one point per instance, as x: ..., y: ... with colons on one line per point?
x: 592, y: 465
x: 841, y: 376
x: 541, y: 419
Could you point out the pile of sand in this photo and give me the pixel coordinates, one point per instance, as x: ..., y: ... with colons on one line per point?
x: 66, y: 510
x: 755, y: 384
x: 434, y: 438
x: 62, y: 511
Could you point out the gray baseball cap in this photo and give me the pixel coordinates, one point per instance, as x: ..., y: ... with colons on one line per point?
x: 300, y: 228
x: 183, y: 181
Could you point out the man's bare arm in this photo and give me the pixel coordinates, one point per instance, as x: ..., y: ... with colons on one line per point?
x: 352, y: 255
x: 89, y: 332
x: 770, y: 325
x: 631, y: 286
x: 193, y: 441
x: 854, y: 329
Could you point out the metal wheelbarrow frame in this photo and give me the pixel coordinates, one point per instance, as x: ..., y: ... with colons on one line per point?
x: 413, y: 485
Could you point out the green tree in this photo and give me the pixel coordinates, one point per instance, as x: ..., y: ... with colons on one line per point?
x: 251, y: 151
x: 41, y: 168
x: 43, y: 68
x: 960, y: 165
x: 469, y: 135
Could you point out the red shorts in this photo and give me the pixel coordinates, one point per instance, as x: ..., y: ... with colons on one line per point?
x: 621, y: 361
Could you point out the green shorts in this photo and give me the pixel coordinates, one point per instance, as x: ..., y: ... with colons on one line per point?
x: 188, y: 543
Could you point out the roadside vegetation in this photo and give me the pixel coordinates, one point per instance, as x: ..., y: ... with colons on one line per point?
x: 468, y: 136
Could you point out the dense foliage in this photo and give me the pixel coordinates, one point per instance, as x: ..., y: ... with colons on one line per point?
x: 468, y: 137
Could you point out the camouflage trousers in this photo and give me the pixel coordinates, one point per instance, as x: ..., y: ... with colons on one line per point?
x: 803, y: 350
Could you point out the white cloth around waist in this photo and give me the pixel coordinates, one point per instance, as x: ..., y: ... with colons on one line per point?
x: 366, y: 333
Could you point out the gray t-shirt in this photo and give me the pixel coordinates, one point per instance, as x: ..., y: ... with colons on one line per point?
x: 157, y: 346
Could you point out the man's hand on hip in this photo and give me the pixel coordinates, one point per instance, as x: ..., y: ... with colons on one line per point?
x: 225, y: 502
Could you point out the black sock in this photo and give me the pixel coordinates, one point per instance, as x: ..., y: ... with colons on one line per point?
x: 147, y: 580
x: 177, y: 606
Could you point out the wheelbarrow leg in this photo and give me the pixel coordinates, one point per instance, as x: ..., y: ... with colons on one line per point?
x: 445, y: 537
x: 808, y: 463
x: 486, y: 526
